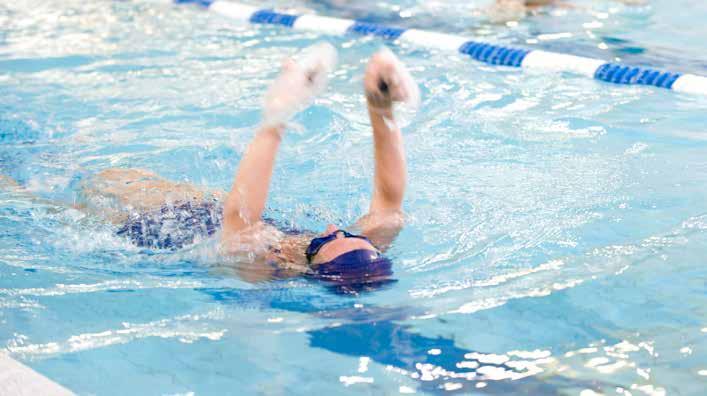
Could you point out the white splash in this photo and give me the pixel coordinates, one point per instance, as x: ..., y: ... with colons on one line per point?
x: 348, y: 381
x: 452, y: 386
x: 186, y: 328
x: 61, y: 289
x: 363, y: 364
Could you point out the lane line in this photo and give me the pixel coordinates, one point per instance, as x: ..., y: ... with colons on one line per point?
x: 493, y: 54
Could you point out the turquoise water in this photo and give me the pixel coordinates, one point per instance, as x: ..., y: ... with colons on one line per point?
x: 556, y: 226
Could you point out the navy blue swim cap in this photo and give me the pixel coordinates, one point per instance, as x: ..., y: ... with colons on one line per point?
x: 355, y: 271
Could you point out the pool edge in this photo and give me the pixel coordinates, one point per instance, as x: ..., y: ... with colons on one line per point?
x: 16, y: 379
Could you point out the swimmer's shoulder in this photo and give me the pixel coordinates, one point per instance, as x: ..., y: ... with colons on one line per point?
x: 268, y: 252
x: 381, y: 227
x: 264, y: 239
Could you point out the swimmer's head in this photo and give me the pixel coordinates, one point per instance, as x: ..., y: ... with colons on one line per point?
x: 348, y: 261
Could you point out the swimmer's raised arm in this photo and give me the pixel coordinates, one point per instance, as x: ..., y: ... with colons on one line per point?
x: 246, y: 201
x: 293, y: 89
x: 390, y: 178
x: 386, y: 81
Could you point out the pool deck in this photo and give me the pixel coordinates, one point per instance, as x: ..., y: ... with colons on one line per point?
x: 17, y: 379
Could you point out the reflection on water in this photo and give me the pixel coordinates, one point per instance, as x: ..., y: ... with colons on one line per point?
x: 437, y: 365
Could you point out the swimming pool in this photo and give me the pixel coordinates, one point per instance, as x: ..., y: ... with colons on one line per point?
x: 556, y: 231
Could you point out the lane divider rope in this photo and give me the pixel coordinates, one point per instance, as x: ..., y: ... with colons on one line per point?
x: 484, y: 52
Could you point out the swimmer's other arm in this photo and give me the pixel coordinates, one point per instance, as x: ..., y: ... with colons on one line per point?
x: 246, y: 201
x: 384, y: 219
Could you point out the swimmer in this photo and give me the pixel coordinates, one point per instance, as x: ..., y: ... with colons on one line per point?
x: 502, y: 11
x: 157, y: 213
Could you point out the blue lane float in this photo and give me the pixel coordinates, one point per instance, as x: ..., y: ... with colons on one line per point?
x: 484, y: 52
x: 494, y: 54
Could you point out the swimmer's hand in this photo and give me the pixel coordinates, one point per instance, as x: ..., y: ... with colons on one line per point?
x: 299, y: 82
x: 387, y: 81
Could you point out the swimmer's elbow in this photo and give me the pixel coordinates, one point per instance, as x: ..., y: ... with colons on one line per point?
x: 381, y: 218
x: 233, y: 220
x: 388, y: 199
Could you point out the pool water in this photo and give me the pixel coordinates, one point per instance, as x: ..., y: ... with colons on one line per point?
x: 556, y: 230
